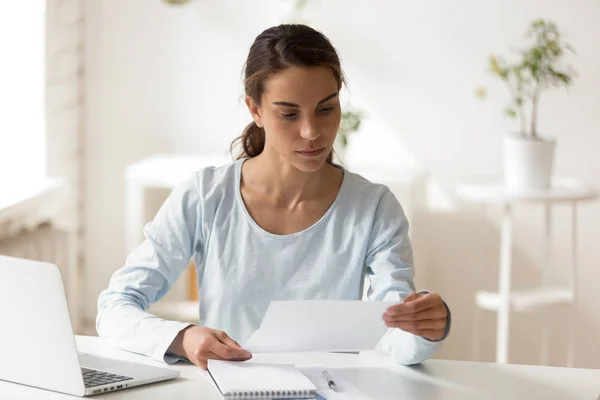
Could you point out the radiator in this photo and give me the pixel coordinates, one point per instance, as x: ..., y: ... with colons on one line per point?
x: 48, y: 243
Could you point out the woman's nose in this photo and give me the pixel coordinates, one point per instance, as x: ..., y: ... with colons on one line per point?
x: 310, y: 130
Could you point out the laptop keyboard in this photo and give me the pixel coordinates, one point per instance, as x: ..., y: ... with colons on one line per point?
x: 92, y: 377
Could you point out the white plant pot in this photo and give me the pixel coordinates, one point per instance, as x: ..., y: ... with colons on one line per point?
x: 528, y: 163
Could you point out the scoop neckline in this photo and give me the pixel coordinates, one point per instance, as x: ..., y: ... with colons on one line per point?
x: 240, y: 200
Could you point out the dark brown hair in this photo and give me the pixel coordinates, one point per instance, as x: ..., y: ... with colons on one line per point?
x: 275, y: 49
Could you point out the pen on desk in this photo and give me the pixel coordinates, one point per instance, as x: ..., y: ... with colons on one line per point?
x: 330, y: 381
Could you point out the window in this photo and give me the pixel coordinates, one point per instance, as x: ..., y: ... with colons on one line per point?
x: 22, y: 92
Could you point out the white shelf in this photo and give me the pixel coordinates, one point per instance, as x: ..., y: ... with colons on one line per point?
x: 524, y: 300
x: 492, y: 191
x: 168, y: 170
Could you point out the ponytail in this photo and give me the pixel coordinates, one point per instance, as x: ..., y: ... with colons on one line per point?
x: 252, y: 141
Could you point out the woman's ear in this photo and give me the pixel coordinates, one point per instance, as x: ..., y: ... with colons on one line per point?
x: 254, y: 110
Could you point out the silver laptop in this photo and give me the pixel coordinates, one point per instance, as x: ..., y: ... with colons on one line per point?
x: 37, y: 346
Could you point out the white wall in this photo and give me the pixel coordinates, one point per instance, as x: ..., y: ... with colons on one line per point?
x: 168, y: 79
x: 159, y: 79
x: 417, y: 63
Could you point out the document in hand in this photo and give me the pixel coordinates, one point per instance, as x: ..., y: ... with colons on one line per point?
x: 320, y: 325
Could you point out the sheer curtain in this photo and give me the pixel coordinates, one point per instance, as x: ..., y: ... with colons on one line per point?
x: 22, y: 92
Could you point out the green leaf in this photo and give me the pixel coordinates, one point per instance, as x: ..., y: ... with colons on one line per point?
x: 564, y: 78
x: 510, y: 112
x: 534, y: 68
x: 344, y: 141
x: 300, y: 4
x: 554, y: 48
x: 538, y: 65
x: 350, y: 122
x: 480, y: 92
x: 496, y: 68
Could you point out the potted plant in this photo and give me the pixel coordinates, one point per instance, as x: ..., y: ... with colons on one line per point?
x: 528, y: 156
x: 350, y: 122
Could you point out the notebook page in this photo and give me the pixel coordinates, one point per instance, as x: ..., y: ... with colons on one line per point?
x: 232, y: 377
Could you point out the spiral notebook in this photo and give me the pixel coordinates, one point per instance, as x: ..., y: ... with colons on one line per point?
x: 250, y: 380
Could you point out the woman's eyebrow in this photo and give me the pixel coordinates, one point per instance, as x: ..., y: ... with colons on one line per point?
x: 288, y: 104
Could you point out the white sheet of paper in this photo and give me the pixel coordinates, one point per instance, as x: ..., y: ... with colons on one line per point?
x: 345, y: 390
x: 320, y: 325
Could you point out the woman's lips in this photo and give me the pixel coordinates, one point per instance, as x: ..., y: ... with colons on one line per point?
x: 310, y: 152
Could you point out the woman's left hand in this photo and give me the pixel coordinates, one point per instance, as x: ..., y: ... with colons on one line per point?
x: 422, y: 314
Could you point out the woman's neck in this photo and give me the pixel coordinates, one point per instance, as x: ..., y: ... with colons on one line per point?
x: 272, y: 175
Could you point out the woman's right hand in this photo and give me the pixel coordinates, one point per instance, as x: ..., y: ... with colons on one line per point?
x: 200, y: 344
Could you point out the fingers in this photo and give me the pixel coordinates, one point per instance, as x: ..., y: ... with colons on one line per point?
x: 225, y: 339
x: 431, y: 313
x: 213, y: 344
x: 435, y: 324
x: 415, y: 302
x: 214, y: 356
x: 202, y: 359
x: 202, y: 363
x: 411, y: 297
x: 421, y: 314
x: 230, y: 353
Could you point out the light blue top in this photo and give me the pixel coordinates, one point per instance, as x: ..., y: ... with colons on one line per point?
x: 241, y: 267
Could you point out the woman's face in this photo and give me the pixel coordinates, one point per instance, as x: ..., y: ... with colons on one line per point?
x: 300, y: 113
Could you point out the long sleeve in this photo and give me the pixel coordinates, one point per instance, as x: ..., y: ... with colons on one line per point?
x: 390, y: 271
x: 148, y: 274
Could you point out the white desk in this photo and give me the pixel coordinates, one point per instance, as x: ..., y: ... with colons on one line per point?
x: 377, y: 375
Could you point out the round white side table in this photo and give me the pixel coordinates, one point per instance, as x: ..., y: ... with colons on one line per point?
x: 492, y: 192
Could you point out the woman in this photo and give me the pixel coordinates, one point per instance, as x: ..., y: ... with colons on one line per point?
x: 281, y: 222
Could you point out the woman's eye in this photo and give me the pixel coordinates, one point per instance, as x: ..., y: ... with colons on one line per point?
x: 289, y: 116
x: 325, y: 110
